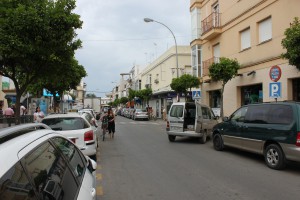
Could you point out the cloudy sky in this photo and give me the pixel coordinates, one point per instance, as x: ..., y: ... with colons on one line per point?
x: 115, y: 36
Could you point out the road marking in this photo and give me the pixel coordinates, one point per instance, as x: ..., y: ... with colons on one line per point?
x: 99, y: 190
x: 99, y: 177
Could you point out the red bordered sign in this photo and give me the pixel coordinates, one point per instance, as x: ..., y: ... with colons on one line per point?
x: 275, y: 73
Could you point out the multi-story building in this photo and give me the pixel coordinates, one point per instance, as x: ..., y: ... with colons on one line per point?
x: 158, y: 76
x: 251, y: 32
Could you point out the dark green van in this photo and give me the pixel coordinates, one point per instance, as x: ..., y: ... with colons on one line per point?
x: 270, y: 129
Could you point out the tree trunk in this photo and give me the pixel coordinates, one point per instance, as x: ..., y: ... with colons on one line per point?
x: 222, y: 109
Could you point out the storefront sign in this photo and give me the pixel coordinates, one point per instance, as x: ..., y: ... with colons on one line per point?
x: 275, y: 73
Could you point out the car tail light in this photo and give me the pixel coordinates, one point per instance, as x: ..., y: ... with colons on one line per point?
x: 168, y: 124
x: 88, y: 136
x: 298, y: 140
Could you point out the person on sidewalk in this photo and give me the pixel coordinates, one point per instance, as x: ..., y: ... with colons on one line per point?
x: 164, y: 114
x: 38, y: 115
x: 104, y: 124
x: 111, y: 123
x: 9, y: 114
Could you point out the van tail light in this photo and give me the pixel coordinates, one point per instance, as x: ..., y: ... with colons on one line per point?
x: 88, y: 136
x: 168, y: 124
x: 298, y: 140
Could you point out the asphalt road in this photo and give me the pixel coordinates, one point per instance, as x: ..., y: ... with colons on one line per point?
x: 140, y: 163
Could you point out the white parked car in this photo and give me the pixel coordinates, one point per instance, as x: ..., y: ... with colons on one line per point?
x: 78, y: 128
x: 39, y: 163
x: 89, y: 111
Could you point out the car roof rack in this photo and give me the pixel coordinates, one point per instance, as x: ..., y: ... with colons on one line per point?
x: 9, y: 133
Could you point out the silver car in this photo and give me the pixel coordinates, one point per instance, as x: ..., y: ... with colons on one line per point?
x: 140, y: 114
x: 43, y: 164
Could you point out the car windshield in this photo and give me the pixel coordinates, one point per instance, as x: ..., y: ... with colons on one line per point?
x: 63, y: 124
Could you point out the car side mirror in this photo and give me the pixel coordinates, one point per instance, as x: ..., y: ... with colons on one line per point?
x: 225, y: 119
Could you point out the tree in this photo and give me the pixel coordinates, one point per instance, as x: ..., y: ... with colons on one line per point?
x: 90, y: 95
x: 36, y: 39
x: 131, y: 94
x: 223, y: 71
x: 123, y: 100
x: 291, y: 43
x: 184, y: 83
x: 145, y: 94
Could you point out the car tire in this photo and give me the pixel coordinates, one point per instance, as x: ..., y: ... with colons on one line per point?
x: 218, y: 142
x: 274, y: 157
x: 172, y: 138
x: 203, y: 139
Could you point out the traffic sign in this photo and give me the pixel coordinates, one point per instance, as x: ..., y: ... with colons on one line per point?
x: 275, y: 90
x: 196, y: 94
x: 275, y: 73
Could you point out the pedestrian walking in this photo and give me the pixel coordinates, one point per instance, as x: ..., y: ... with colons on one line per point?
x: 9, y: 114
x: 104, y: 125
x: 164, y: 114
x: 22, y: 110
x: 38, y: 115
x: 111, y: 123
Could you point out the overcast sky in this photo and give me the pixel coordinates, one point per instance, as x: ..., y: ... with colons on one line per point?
x: 115, y: 36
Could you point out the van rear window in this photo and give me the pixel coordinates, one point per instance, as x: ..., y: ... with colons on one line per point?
x: 269, y: 114
x: 176, y: 111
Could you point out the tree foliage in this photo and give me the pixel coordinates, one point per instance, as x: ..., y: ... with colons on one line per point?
x: 90, y: 95
x: 131, y: 94
x: 123, y: 100
x: 184, y: 83
x: 223, y: 71
x: 37, y: 39
x: 291, y: 43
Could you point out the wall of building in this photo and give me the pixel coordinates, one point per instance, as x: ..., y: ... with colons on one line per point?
x: 237, y: 16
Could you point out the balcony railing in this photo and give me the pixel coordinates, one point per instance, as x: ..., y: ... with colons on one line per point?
x: 210, y: 22
x: 207, y: 63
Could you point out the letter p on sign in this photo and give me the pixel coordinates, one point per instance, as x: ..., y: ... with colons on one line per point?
x: 275, y: 90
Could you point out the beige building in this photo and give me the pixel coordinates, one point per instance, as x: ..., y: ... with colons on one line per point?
x: 251, y: 32
x: 158, y: 76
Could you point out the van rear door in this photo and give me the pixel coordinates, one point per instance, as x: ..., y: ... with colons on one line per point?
x: 199, y: 119
x: 176, y: 118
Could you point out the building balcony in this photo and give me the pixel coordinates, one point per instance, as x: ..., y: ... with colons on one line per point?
x: 207, y: 63
x: 211, y: 26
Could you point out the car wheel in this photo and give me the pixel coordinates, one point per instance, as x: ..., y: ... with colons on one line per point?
x: 274, y: 157
x: 172, y: 138
x: 203, y: 138
x: 218, y: 142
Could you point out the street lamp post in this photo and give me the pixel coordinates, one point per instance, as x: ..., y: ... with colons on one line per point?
x: 151, y: 20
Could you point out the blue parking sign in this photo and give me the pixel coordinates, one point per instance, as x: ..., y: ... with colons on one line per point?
x: 275, y: 90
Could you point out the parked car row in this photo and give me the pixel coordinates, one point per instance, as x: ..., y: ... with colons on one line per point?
x: 134, y: 113
x: 269, y: 129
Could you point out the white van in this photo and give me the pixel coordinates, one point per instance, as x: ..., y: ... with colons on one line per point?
x: 191, y: 119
